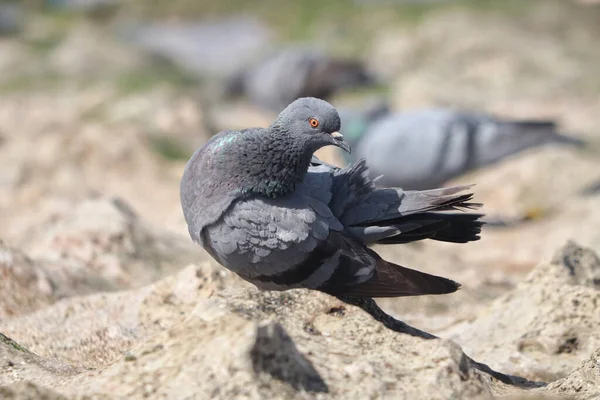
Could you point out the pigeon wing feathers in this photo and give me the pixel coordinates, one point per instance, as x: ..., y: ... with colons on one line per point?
x: 338, y: 262
x: 391, y: 215
x: 260, y: 238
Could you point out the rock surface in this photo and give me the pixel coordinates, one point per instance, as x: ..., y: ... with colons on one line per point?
x: 547, y: 325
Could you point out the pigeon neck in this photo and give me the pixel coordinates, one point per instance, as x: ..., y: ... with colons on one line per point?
x: 280, y: 162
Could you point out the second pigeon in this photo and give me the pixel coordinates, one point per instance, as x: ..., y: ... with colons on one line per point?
x: 423, y: 149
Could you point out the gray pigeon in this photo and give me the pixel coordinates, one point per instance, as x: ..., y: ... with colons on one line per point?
x: 266, y: 209
x: 423, y: 149
x: 211, y: 48
x: 294, y: 72
x: 591, y: 190
x: 12, y: 18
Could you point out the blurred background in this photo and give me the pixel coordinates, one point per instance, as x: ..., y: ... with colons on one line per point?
x: 102, y: 102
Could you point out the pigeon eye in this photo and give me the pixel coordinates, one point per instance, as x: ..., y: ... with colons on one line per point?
x: 313, y: 122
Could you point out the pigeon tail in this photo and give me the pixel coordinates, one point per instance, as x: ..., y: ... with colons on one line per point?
x: 442, y: 227
x: 550, y: 128
x: 536, y: 124
x: 392, y: 280
x: 570, y: 140
x: 418, y: 215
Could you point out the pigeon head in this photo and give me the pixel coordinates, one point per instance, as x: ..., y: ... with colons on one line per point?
x: 313, y: 122
x: 270, y: 161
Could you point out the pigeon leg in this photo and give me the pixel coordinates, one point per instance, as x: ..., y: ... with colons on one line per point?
x: 370, y: 306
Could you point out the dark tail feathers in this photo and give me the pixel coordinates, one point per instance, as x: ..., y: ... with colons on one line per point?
x: 392, y: 280
x: 552, y: 130
x: 533, y: 124
x: 443, y: 227
x: 427, y: 217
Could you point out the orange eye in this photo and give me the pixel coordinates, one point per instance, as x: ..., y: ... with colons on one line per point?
x: 313, y: 122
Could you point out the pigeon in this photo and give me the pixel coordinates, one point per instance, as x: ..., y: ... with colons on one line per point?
x: 591, y: 190
x: 203, y: 49
x: 264, y: 207
x: 12, y: 18
x: 423, y: 149
x: 293, y: 72
x: 357, y: 121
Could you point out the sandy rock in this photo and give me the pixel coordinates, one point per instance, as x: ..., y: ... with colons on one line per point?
x: 478, y: 70
x: 30, y: 284
x: 29, y: 391
x: 581, y: 383
x: 545, y: 327
x: 241, y: 359
x: 98, y: 329
x: 74, y: 155
x: 240, y: 116
x: 24, y: 284
x: 98, y: 245
x: 530, y: 182
x: 21, y: 365
x: 106, y: 237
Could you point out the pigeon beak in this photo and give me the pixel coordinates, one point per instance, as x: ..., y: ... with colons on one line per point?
x: 338, y: 140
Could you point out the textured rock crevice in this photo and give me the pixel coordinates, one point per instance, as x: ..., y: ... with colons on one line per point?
x: 274, y: 353
x: 547, y: 326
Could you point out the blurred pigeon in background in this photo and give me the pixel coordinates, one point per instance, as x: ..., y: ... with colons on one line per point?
x: 215, y: 48
x: 293, y: 72
x: 357, y: 121
x: 264, y: 208
x: 423, y: 149
x: 591, y: 190
x: 12, y: 18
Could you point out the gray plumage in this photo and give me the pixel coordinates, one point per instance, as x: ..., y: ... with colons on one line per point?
x: 288, y: 74
x: 424, y: 149
x: 12, y: 18
x: 265, y: 208
x: 208, y: 48
x: 591, y: 190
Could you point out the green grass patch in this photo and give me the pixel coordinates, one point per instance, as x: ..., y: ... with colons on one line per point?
x: 11, y: 343
x: 141, y: 80
x: 169, y: 148
x: 301, y: 19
